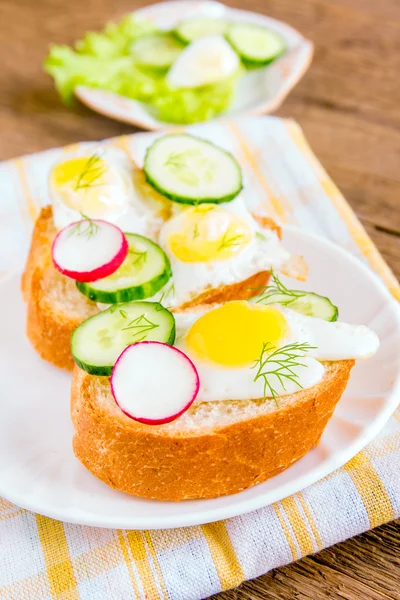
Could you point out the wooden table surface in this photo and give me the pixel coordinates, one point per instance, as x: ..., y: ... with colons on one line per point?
x: 349, y: 107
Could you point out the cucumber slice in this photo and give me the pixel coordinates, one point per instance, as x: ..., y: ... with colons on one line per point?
x: 98, y: 342
x: 313, y: 305
x: 190, y: 170
x: 256, y: 45
x: 306, y: 303
x: 156, y: 51
x: 192, y: 29
x: 143, y: 273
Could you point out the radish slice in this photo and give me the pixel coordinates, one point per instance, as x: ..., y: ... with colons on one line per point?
x: 89, y: 250
x: 154, y: 383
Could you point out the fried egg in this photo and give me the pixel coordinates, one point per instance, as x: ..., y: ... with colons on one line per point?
x: 227, y: 342
x: 211, y: 245
x: 99, y: 185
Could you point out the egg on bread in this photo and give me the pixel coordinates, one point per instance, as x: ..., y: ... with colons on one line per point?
x: 233, y: 343
x: 269, y: 381
x: 211, y: 246
x: 102, y: 184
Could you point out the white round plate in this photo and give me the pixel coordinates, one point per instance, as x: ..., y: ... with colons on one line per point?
x: 260, y: 91
x: 38, y: 469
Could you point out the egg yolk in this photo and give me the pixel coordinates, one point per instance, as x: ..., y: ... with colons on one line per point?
x: 233, y: 335
x: 205, y: 233
x: 88, y: 185
x: 80, y: 172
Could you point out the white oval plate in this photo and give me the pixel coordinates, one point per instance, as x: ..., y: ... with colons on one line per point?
x: 38, y: 470
x: 259, y: 92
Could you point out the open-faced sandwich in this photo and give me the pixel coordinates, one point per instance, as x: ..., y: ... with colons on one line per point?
x: 211, y: 400
x: 177, y: 232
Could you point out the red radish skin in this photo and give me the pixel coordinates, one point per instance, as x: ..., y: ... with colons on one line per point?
x: 103, y: 270
x: 176, y: 415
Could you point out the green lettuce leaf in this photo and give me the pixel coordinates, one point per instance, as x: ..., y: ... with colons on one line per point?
x: 102, y: 60
x: 194, y: 104
x: 116, y: 38
x: 70, y: 69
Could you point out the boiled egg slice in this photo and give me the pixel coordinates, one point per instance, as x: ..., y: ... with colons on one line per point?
x: 104, y: 184
x: 82, y: 185
x: 95, y: 184
x: 211, y: 246
x: 208, y: 232
x: 203, y: 62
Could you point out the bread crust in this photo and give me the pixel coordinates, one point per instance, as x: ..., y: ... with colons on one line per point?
x: 48, y: 331
x: 42, y: 235
x: 152, y: 462
x: 49, y: 327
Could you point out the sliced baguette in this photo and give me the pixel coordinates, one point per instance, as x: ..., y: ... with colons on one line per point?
x: 213, y: 449
x: 56, y: 307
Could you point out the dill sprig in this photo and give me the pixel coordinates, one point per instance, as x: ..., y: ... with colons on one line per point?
x: 114, y: 307
x: 229, y: 242
x: 138, y: 256
x: 85, y: 227
x: 196, y: 231
x: 190, y: 166
x: 91, y: 173
x: 279, y: 364
x: 140, y: 326
x: 278, y: 288
x: 177, y: 162
x: 164, y: 296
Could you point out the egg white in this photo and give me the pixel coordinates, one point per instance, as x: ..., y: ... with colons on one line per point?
x: 132, y: 214
x: 330, y: 340
x: 333, y: 341
x: 264, y: 252
x: 203, y: 62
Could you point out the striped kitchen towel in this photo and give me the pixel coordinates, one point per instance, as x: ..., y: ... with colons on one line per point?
x: 43, y: 559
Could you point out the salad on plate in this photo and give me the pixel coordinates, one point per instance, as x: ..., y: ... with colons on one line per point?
x: 183, y: 75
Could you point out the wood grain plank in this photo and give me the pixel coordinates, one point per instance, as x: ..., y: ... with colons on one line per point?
x: 366, y: 567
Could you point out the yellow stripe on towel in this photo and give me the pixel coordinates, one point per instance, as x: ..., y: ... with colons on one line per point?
x: 149, y: 541
x: 226, y: 563
x: 310, y: 519
x: 371, y: 489
x: 139, y: 555
x: 57, y: 559
x: 73, y: 148
x: 121, y: 142
x: 276, y: 209
x: 31, y: 205
x: 296, y: 520
x: 279, y: 513
x: 11, y: 515
x: 22, y: 589
x: 128, y: 562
